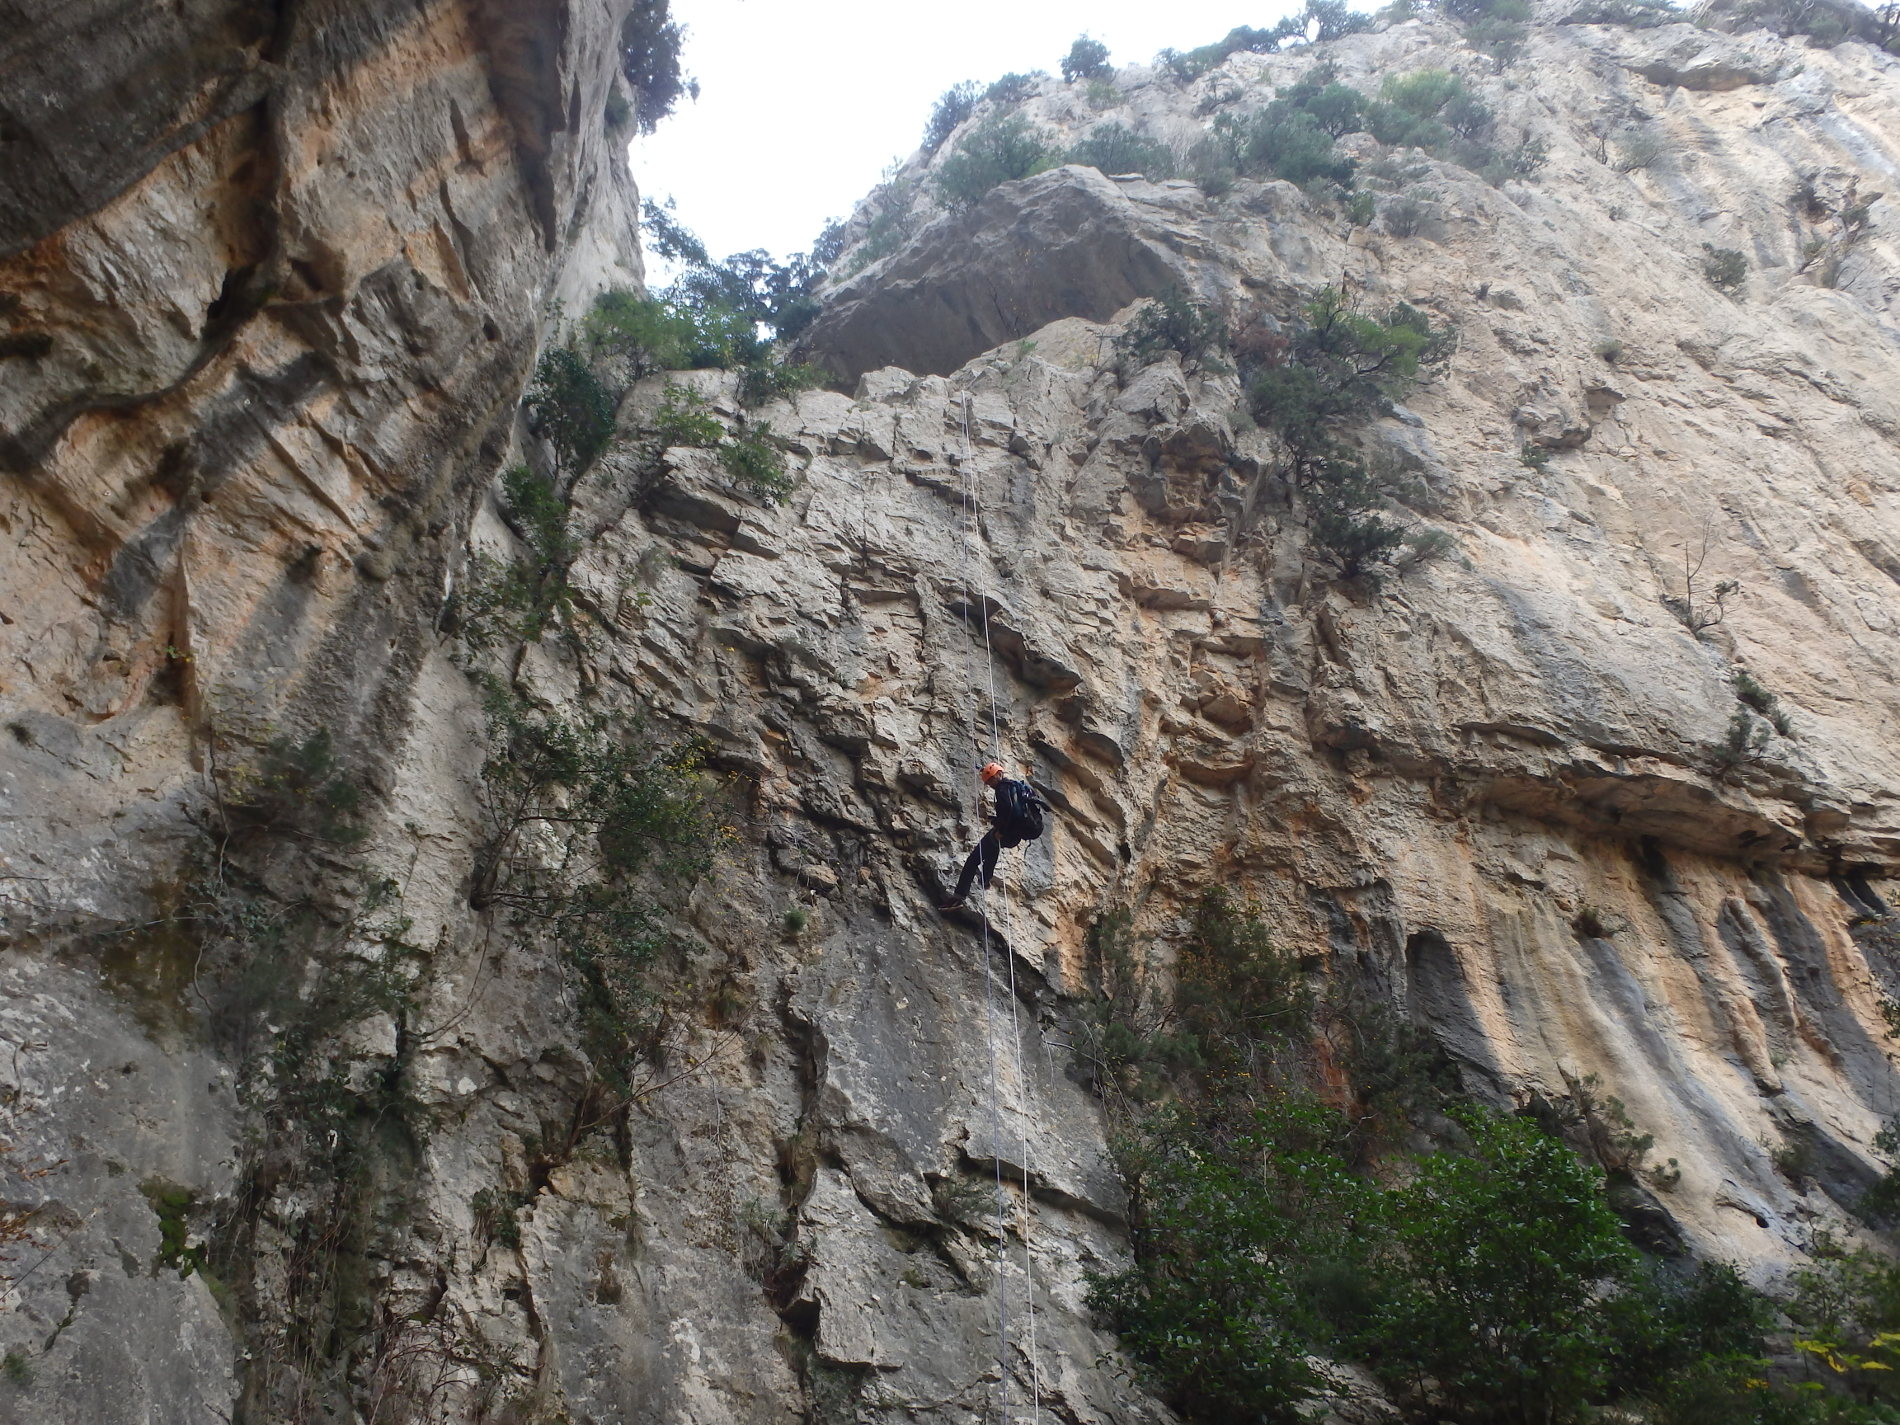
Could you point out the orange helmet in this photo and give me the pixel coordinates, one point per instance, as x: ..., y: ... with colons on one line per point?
x: 990, y: 772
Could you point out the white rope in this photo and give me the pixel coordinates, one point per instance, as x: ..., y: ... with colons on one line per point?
x: 972, y: 513
x: 1001, y: 1400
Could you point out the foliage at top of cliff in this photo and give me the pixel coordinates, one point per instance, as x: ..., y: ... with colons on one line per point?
x: 650, y: 48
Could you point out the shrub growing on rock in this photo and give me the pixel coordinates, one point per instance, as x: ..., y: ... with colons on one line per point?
x: 1114, y: 148
x: 1086, y: 59
x: 1014, y: 88
x: 570, y: 408
x: 1170, y: 322
x: 998, y: 150
x: 953, y: 106
x: 754, y: 461
x: 1725, y: 268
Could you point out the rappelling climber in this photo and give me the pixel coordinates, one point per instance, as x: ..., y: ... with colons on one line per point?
x: 1017, y: 818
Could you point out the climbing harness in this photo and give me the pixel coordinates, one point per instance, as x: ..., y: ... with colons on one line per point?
x: 971, y: 512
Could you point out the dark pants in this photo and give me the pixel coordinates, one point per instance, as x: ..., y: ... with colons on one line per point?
x: 983, y: 855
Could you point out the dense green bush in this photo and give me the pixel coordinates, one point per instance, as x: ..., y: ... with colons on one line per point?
x: 1234, y: 1218
x: 998, y: 150
x: 953, y: 106
x: 570, y: 408
x: 1114, y: 148
x: 641, y: 335
x: 1322, y: 21
x: 1345, y: 504
x: 756, y: 464
x: 712, y: 316
x: 1725, y: 268
x: 1496, y: 1269
x: 1243, y: 39
x: 1486, y: 1280
x: 1426, y: 109
x: 1491, y: 1284
x: 767, y: 381
x: 1281, y: 141
x: 1339, y: 371
x: 1342, y: 370
x: 1236, y: 1001
x: 1086, y: 59
x: 683, y: 418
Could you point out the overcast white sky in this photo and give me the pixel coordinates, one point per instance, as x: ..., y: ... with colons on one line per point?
x: 804, y: 102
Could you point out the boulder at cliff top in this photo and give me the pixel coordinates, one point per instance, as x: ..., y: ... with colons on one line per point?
x: 1067, y: 243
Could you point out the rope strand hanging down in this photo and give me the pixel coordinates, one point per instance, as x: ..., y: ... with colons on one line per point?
x: 971, y: 513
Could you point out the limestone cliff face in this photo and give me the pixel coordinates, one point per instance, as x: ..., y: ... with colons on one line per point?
x: 262, y: 376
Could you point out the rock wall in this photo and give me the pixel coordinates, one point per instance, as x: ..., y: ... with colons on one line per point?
x: 1491, y: 792
x: 271, y: 283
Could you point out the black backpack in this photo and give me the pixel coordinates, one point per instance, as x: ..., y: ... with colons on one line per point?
x: 1018, y: 810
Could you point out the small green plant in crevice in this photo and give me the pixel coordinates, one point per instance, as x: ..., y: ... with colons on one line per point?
x: 496, y: 1214
x: 520, y: 600
x: 1170, y: 322
x: 172, y: 1205
x: 794, y: 921
x: 1610, y: 351
x: 1751, y: 692
x: 1693, y: 609
x: 17, y: 1368
x: 965, y: 1202
x: 1741, y: 746
x: 755, y: 461
x: 772, y: 1250
x: 1726, y: 269
x: 998, y: 150
x: 1534, y: 457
